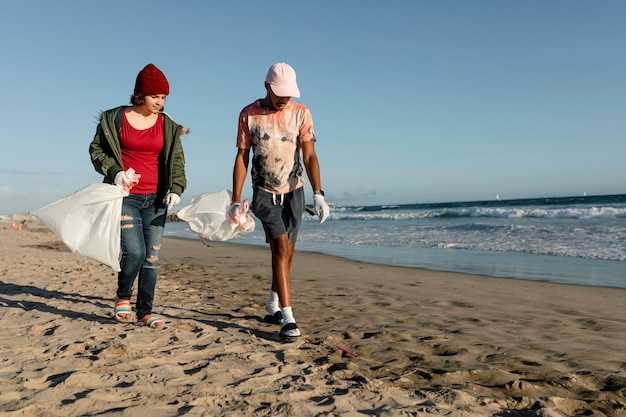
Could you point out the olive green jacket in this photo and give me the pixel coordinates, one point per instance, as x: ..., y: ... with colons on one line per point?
x: 106, y: 154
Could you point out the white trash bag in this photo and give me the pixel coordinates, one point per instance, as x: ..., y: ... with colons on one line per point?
x: 88, y: 222
x: 208, y: 216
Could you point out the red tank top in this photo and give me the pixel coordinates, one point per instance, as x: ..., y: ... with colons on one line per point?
x: 140, y: 151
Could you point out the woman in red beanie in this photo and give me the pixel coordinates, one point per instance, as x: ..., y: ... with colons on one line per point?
x: 138, y: 147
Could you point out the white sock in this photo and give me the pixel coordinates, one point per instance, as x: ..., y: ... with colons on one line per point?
x: 287, y: 315
x: 273, y: 303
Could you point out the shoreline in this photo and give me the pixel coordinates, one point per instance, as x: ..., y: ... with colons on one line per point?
x: 425, y: 342
x: 520, y: 266
x: 510, y: 265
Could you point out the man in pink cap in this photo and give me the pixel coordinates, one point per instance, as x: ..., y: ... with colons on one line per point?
x: 280, y: 133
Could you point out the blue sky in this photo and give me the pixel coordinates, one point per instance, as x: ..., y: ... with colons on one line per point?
x: 413, y: 101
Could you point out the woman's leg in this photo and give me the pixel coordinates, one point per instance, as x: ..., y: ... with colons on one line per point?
x: 132, y: 245
x: 153, y: 216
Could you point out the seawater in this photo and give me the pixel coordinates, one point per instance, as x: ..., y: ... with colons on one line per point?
x: 573, y: 240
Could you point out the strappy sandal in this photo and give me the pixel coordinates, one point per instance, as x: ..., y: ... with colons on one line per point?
x: 150, y: 321
x: 290, y: 330
x: 276, y: 318
x: 123, y: 311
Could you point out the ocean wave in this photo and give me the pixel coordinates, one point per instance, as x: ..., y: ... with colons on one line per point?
x: 501, y: 213
x: 576, y: 230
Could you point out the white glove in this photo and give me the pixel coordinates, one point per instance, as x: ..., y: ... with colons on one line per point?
x: 234, y: 210
x: 320, y: 207
x: 127, y: 179
x: 171, y: 199
x: 121, y: 179
x: 238, y: 214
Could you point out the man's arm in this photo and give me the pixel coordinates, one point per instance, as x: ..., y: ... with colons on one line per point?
x: 309, y: 158
x: 240, y: 170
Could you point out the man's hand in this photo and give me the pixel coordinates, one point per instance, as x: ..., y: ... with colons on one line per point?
x: 321, y: 208
x: 238, y: 214
x: 234, y: 210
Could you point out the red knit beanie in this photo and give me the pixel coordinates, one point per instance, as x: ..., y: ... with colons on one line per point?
x: 151, y: 80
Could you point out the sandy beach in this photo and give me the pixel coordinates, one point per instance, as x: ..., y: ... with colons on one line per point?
x: 378, y: 340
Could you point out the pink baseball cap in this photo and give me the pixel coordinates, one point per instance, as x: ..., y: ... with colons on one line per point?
x: 282, y: 79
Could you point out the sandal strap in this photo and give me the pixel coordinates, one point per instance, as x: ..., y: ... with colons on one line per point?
x: 290, y: 330
x: 123, y: 306
x: 151, y: 320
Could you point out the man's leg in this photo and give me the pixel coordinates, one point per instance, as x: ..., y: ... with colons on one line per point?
x: 282, y: 256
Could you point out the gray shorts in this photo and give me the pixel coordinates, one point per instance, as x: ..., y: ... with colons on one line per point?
x: 279, y: 213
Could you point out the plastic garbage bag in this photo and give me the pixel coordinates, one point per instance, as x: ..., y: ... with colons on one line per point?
x: 88, y: 222
x: 208, y: 216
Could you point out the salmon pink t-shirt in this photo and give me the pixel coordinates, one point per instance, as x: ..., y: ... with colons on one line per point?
x: 275, y: 137
x: 140, y: 151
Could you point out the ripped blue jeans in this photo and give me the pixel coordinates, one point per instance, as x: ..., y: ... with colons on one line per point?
x: 142, y: 223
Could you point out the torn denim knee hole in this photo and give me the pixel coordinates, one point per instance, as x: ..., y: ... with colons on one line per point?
x: 126, y: 219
